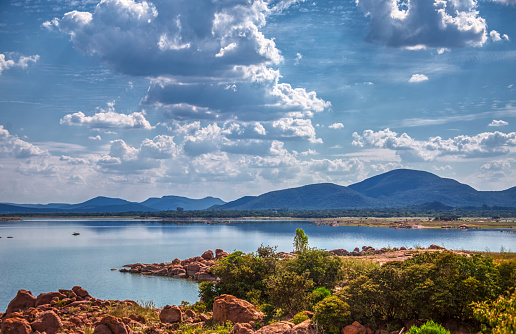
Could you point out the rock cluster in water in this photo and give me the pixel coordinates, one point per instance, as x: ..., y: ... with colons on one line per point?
x: 197, y: 268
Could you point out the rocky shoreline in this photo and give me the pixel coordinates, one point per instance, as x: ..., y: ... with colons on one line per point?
x: 75, y: 311
x: 198, y: 268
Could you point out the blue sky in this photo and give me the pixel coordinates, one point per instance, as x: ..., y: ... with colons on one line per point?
x: 135, y: 99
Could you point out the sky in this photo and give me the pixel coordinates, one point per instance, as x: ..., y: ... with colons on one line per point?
x: 226, y: 98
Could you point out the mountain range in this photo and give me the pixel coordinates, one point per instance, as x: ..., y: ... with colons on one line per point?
x: 394, y: 189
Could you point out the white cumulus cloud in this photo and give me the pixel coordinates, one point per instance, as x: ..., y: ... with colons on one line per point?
x: 337, y: 126
x: 409, y: 149
x: 419, y: 24
x: 498, y: 123
x: 23, y: 62
x: 418, y: 78
x: 13, y: 146
x: 108, y: 120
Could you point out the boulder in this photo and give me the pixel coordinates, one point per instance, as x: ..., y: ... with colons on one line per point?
x: 138, y: 318
x: 339, y: 252
x: 282, y: 327
x: 171, y: 314
x: 219, y: 254
x: 190, y: 313
x: 435, y: 247
x: 23, y: 300
x: 81, y: 292
x: 48, y: 322
x: 227, y: 307
x: 354, y: 328
x: 15, y: 324
x: 111, y: 325
x: 193, y: 267
x: 208, y: 255
x: 242, y: 328
x: 306, y: 327
x: 46, y: 298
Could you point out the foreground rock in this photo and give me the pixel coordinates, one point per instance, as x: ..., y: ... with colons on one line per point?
x: 227, y: 307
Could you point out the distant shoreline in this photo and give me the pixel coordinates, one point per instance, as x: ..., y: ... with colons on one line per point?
x: 464, y: 223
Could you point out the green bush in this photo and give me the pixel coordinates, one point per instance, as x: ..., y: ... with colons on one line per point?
x: 331, y: 314
x: 317, y: 295
x: 429, y: 327
x: 498, y: 316
x: 288, y: 290
x: 323, y: 268
x: 299, y: 318
x: 437, y: 285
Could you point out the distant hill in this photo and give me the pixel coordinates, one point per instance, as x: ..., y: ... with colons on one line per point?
x: 103, y: 204
x: 321, y: 196
x: 404, y: 187
x: 394, y: 189
x: 173, y: 202
x: 401, y: 188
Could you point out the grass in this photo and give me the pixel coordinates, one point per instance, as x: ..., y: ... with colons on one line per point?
x: 145, y: 309
x: 208, y: 328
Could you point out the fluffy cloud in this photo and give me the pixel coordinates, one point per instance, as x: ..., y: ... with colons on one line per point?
x: 336, y: 126
x: 23, y: 62
x: 418, y: 78
x: 125, y: 158
x: 13, y: 146
x: 206, y: 60
x: 177, y: 38
x: 424, y: 23
x: 497, y: 165
x: 498, y: 123
x: 410, y: 149
x: 496, y: 37
x: 108, y: 120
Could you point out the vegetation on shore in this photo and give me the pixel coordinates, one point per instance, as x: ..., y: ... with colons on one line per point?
x: 439, y: 286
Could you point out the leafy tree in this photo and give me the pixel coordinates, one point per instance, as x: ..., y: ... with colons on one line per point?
x: 288, y: 290
x: 323, y: 268
x: 300, y: 241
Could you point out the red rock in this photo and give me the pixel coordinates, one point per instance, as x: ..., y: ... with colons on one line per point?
x: 192, y: 268
x: 190, y: 313
x: 81, y: 292
x: 48, y: 322
x: 354, y: 328
x: 23, y: 300
x: 208, y: 255
x: 138, y: 318
x: 282, y: 327
x: 227, y: 307
x: 242, y: 328
x: 204, y: 317
x: 219, y: 254
x: 171, y: 314
x: 111, y: 325
x: 15, y: 324
x: 303, y: 328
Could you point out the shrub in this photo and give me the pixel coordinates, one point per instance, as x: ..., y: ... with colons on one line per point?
x: 429, y: 327
x: 499, y: 316
x: 287, y: 290
x: 331, y: 314
x: 299, y: 318
x: 317, y: 295
x: 323, y: 268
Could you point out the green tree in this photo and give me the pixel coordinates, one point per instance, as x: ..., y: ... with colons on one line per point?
x: 300, y: 241
x: 288, y: 290
x: 331, y: 314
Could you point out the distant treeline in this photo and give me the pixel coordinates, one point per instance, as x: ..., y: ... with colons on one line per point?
x: 286, y: 213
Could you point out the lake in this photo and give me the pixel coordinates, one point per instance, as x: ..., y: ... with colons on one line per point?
x: 44, y: 256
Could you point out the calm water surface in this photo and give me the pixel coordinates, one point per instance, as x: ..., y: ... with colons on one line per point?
x: 44, y: 256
